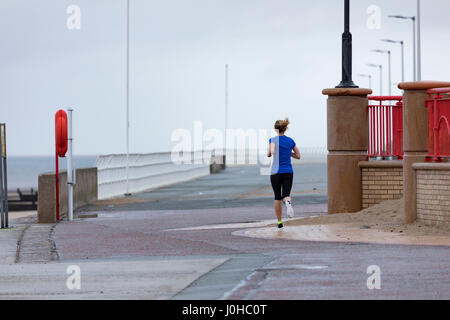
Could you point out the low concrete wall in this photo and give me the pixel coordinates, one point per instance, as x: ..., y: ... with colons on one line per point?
x: 381, y: 180
x: 85, y: 192
x: 217, y: 164
x: 433, y: 193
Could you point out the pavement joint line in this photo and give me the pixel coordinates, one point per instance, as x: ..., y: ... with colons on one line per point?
x: 202, y: 276
x: 53, y: 247
x: 36, y: 242
x: 246, y: 282
x: 293, y: 268
x: 223, y: 279
x: 19, y: 243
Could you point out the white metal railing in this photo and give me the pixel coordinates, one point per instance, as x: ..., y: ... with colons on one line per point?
x: 146, y: 171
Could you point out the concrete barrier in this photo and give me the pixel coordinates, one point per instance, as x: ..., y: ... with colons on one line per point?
x: 85, y: 192
x: 217, y: 164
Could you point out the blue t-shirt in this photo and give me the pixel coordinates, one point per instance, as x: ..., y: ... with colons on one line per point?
x: 282, y: 154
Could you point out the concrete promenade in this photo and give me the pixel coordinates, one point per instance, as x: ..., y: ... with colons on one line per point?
x: 181, y: 242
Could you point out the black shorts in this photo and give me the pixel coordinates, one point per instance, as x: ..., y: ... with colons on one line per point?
x: 281, y: 185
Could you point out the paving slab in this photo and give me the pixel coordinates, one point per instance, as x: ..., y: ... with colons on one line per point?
x: 108, y: 279
x: 8, y: 243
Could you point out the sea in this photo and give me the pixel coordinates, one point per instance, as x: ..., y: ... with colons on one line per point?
x: 23, y: 171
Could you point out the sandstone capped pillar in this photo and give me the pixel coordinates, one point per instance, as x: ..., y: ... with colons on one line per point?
x: 415, y: 137
x: 347, y: 142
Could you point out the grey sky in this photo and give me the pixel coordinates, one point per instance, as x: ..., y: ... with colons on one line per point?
x: 281, y: 53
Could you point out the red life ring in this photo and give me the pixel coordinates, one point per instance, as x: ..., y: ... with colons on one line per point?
x: 61, y: 133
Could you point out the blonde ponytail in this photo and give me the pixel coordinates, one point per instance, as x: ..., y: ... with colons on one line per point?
x: 281, y: 125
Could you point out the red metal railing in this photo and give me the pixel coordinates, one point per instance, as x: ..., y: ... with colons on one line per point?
x: 438, y: 105
x: 385, y: 127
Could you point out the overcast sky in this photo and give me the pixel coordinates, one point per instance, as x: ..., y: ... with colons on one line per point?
x: 281, y: 54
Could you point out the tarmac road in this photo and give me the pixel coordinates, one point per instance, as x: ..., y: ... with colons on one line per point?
x: 173, y: 230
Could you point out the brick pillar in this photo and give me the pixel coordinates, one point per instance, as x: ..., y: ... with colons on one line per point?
x: 347, y: 141
x: 415, y: 137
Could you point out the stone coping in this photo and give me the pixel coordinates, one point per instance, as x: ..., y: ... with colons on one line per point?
x: 431, y: 166
x: 423, y: 85
x: 50, y: 173
x: 346, y: 92
x: 381, y: 164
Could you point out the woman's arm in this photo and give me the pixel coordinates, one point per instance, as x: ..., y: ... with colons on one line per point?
x: 271, y: 149
x: 296, y: 153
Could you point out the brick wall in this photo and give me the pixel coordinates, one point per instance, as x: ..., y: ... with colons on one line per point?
x: 381, y: 180
x: 433, y: 193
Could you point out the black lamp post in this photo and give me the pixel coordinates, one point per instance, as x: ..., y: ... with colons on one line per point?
x: 347, y: 51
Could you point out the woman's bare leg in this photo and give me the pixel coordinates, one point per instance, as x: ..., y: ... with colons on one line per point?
x: 278, y: 209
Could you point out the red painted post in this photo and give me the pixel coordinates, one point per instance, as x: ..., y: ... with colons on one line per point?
x: 377, y: 126
x: 373, y: 131
x: 57, y: 185
x: 388, y: 130
x: 397, y: 129
x: 436, y: 127
x: 382, y: 149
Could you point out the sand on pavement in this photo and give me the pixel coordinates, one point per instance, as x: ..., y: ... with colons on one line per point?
x: 382, y: 223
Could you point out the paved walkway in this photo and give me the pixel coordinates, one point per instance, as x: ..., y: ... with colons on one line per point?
x: 179, y: 242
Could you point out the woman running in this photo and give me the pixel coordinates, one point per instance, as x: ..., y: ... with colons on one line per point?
x: 282, y: 148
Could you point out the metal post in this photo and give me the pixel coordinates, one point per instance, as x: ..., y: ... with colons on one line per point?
x: 403, y: 61
x: 346, y: 51
x: 127, y: 191
x: 414, y: 47
x: 3, y: 178
x: 69, y: 167
x: 419, y: 62
x: 389, y: 66
x: 226, y: 98
x: 370, y: 81
x: 381, y: 79
x: 57, y: 185
x: 226, y: 115
x: 1, y: 185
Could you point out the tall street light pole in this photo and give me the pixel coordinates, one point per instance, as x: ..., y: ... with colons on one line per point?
x: 419, y: 54
x: 381, y: 74
x: 226, y: 98
x: 346, y: 81
x: 389, y: 67
x: 226, y: 113
x: 402, y: 54
x: 366, y: 76
x: 413, y: 19
x: 127, y: 191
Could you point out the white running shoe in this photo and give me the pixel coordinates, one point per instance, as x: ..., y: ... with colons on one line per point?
x: 290, y: 210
